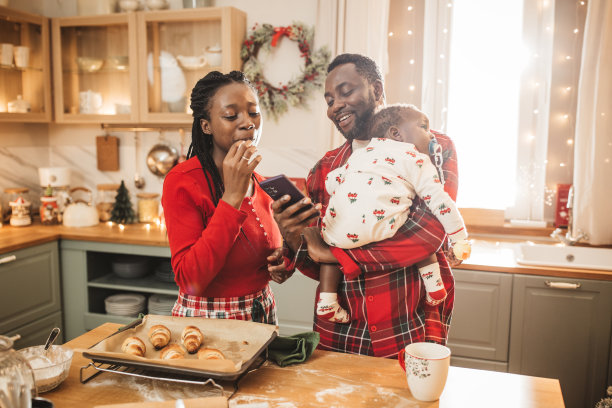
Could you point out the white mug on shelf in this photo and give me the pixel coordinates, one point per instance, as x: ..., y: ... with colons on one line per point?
x: 6, y: 54
x: 426, y: 366
x: 22, y: 56
x: 90, y: 102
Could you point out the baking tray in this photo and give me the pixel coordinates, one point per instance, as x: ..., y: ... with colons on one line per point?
x: 242, y: 342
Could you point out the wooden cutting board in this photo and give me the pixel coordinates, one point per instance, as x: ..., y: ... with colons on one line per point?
x: 107, y: 151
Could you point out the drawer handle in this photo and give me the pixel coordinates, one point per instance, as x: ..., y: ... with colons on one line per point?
x: 562, y: 285
x: 8, y: 259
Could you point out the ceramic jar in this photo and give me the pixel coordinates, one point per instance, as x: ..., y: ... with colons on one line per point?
x: 19, y: 207
x: 49, y: 208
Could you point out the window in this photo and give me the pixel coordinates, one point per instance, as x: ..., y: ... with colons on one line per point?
x: 500, y: 78
x: 483, y: 99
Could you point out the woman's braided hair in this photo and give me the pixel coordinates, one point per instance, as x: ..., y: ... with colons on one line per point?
x: 202, y: 143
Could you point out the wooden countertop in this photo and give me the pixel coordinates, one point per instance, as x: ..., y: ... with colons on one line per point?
x: 488, y: 255
x: 326, y: 379
x: 13, y: 238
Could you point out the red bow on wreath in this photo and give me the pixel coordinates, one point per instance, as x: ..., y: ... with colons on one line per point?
x: 278, y: 33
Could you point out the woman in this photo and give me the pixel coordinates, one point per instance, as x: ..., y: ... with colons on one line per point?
x: 224, y: 241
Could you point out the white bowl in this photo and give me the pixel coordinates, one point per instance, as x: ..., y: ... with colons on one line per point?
x: 192, y: 61
x: 50, y: 368
x: 118, y: 62
x: 88, y: 64
x: 129, y: 5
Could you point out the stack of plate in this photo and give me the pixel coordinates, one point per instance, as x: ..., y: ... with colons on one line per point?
x: 125, y: 304
x: 130, y: 266
x: 161, y: 304
x: 164, y: 271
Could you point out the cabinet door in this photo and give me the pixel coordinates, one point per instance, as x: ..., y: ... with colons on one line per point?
x: 177, y: 48
x: 295, y: 299
x: 481, y: 317
x: 26, y: 79
x: 562, y: 333
x: 30, y: 285
x: 95, y: 67
x: 37, y: 332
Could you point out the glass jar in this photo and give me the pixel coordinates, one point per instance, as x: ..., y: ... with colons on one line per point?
x: 19, y: 206
x: 148, y: 207
x: 17, y: 384
x: 106, y: 194
x: 49, y: 208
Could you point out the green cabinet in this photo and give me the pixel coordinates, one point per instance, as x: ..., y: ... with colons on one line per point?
x: 87, y: 279
x: 30, y: 297
x: 561, y: 329
x: 480, y: 326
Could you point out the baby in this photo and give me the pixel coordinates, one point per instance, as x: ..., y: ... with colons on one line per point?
x: 371, y: 197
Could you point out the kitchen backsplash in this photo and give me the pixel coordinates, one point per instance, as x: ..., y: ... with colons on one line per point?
x: 75, y: 147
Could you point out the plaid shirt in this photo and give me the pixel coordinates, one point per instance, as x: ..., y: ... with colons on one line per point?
x: 257, y: 307
x: 382, y: 290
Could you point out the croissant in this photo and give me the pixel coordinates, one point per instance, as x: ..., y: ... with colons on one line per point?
x: 210, y: 354
x: 159, y: 335
x: 192, y: 338
x: 134, y: 346
x: 172, y: 352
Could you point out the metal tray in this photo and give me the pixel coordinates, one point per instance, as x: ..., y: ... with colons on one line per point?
x: 185, y: 371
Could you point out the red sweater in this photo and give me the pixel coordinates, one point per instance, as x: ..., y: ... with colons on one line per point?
x: 211, y: 257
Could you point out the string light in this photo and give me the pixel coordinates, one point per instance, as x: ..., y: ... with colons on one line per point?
x: 391, y: 34
x: 411, y: 62
x: 412, y: 87
x: 570, y: 142
x: 409, y: 32
x: 410, y: 8
x: 576, y: 31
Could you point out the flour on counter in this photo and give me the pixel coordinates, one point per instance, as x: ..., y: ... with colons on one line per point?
x: 155, y: 390
x: 249, y: 401
x: 342, y: 390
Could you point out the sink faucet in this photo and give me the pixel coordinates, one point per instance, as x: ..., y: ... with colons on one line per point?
x: 568, y: 238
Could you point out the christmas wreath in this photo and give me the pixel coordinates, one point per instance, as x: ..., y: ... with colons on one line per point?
x: 277, y: 98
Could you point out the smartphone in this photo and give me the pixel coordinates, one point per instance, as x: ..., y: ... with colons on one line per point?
x: 280, y: 185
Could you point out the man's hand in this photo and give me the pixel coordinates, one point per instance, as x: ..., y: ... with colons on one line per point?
x: 276, y: 266
x: 290, y: 225
x: 318, y: 250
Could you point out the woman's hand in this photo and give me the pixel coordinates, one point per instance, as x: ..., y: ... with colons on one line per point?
x: 291, y: 226
x: 237, y: 171
x: 318, y: 250
x: 276, y: 266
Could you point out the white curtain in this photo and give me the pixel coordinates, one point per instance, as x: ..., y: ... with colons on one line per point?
x: 356, y: 27
x: 593, y: 141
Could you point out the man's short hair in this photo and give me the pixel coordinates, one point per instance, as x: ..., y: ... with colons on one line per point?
x: 365, y: 66
x: 391, y: 115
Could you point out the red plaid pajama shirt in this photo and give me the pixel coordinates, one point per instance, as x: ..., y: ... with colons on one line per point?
x: 383, y: 292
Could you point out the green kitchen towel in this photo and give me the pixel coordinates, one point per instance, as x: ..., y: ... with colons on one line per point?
x: 294, y: 349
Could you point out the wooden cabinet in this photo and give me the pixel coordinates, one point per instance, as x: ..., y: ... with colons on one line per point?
x: 170, y: 43
x: 30, y: 300
x: 28, y: 81
x: 139, y: 67
x: 563, y: 331
x: 480, y: 326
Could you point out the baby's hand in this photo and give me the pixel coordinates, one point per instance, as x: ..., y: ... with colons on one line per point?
x: 462, y: 249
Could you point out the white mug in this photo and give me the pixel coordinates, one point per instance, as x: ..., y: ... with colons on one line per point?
x: 426, y: 366
x: 90, y: 102
x: 6, y: 54
x: 22, y: 56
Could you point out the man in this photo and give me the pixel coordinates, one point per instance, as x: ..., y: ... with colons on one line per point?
x: 381, y: 291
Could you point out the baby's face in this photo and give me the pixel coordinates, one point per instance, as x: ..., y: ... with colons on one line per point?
x: 415, y: 130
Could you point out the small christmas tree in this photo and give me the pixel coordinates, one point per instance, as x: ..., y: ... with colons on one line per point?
x: 122, y: 212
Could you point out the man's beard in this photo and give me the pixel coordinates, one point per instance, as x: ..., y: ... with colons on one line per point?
x: 362, y: 122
